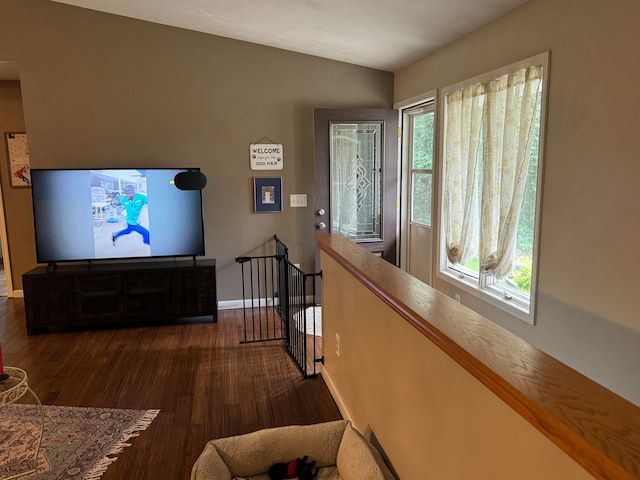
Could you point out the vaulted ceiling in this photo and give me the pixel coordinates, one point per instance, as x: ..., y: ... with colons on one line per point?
x: 381, y: 34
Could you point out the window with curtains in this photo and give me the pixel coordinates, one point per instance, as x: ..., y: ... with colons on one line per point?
x: 491, y: 164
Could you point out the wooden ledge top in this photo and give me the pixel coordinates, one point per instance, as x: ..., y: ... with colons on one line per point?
x: 597, y: 428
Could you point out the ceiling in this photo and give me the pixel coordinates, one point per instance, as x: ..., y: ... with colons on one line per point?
x: 381, y: 34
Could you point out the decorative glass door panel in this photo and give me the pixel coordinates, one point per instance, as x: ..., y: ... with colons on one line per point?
x: 355, y: 171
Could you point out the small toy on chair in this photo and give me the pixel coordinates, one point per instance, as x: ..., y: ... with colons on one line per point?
x: 296, y: 468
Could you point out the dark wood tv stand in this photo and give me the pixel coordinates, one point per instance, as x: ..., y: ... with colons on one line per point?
x: 116, y: 293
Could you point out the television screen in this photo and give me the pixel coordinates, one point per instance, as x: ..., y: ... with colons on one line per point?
x: 114, y: 213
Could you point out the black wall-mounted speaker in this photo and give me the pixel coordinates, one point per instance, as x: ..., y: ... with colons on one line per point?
x: 191, y: 180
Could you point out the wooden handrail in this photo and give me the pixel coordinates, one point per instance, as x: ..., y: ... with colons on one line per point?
x: 597, y: 428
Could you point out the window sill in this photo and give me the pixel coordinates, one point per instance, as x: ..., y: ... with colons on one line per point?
x: 511, y: 309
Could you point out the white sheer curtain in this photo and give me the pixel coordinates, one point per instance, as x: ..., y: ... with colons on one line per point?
x: 464, y: 110
x: 510, y: 109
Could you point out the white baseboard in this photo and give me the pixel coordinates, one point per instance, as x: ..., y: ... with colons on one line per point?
x: 229, y: 304
x: 335, y: 394
x: 258, y: 302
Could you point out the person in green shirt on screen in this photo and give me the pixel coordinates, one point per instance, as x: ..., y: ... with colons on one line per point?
x: 133, y: 203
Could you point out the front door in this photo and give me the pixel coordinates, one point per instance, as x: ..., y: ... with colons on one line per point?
x: 356, y: 154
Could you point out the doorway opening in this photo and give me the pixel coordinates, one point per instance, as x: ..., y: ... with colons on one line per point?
x: 11, y: 120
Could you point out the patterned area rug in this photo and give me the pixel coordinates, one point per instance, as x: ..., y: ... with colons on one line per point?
x: 78, y: 443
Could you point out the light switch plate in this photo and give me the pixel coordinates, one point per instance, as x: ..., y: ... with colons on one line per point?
x: 298, y: 200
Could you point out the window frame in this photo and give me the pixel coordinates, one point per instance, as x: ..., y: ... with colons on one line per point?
x: 479, y: 285
x: 427, y: 107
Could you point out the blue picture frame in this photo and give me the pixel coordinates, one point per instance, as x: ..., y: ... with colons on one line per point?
x: 267, y: 194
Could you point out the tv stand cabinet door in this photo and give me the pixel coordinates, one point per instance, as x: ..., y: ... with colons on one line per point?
x: 148, y: 294
x: 98, y: 297
x: 196, y: 291
x: 48, y: 301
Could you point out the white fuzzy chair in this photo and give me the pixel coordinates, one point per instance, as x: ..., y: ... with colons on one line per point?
x: 337, y: 448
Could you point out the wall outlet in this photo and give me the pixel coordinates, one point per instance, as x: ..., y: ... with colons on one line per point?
x: 456, y: 297
x: 337, y: 345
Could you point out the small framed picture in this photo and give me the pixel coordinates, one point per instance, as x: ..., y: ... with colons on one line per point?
x: 267, y: 194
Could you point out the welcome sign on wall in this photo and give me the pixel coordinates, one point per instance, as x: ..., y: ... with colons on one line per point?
x: 266, y: 156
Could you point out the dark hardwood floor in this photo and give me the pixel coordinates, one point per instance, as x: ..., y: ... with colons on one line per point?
x: 204, y: 382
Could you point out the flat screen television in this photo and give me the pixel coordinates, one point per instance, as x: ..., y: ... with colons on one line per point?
x: 84, y: 215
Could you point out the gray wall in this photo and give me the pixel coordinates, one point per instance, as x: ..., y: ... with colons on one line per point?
x: 587, y: 309
x: 106, y: 91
